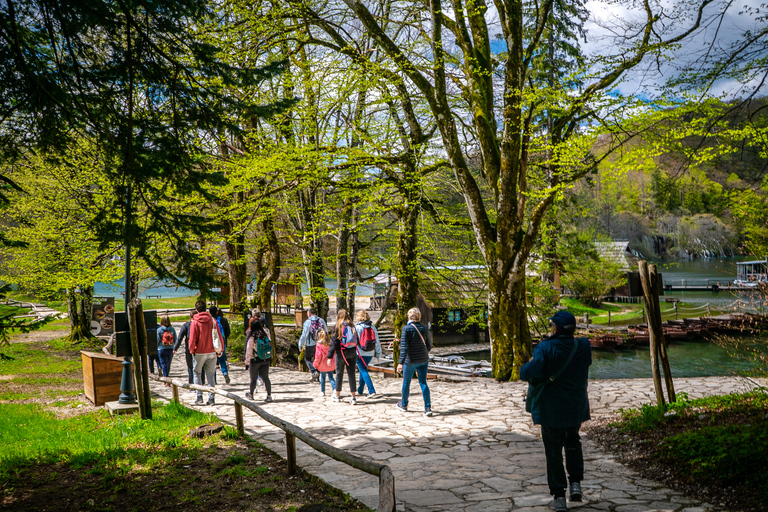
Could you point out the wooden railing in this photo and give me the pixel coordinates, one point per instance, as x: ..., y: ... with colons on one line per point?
x: 292, y: 432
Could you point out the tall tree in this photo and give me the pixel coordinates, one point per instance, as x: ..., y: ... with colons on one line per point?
x: 138, y: 79
x: 521, y: 174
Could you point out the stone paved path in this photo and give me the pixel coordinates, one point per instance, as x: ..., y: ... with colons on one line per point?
x: 479, y: 453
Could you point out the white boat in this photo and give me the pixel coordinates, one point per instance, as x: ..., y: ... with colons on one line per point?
x: 750, y: 273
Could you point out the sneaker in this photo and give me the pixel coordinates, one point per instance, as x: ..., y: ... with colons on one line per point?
x: 312, y: 378
x: 372, y: 395
x: 353, y: 401
x: 210, y: 402
x: 322, y: 393
x: 199, y: 401
x: 558, y: 505
x: 249, y: 396
x: 315, y: 377
x: 268, y: 399
x: 227, y: 379
x: 575, y: 491
x: 428, y: 412
x: 401, y: 407
x: 259, y: 382
x: 336, y: 398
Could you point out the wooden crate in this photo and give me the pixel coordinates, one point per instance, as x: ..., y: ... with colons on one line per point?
x: 102, y: 374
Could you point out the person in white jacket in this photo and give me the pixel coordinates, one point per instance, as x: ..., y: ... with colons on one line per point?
x: 365, y: 331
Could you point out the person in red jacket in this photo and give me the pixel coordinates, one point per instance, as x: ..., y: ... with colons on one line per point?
x: 201, y: 348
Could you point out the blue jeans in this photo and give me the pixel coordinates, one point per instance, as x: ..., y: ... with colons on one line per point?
x: 322, y: 381
x: 421, y: 372
x: 166, y: 356
x: 365, y: 377
x: 152, y: 358
x: 222, y: 361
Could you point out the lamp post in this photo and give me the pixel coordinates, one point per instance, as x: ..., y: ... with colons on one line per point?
x: 127, y: 395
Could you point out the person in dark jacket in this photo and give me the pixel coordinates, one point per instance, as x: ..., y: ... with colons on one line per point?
x: 184, y: 337
x: 344, y: 349
x: 257, y: 367
x: 415, y: 345
x: 562, y: 405
x: 221, y: 361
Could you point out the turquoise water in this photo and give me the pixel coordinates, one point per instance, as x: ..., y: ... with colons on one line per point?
x: 722, y: 270
x: 686, y: 359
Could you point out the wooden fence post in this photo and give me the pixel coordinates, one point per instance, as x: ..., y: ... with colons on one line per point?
x: 141, y: 333
x: 290, y: 445
x: 239, y: 419
x: 655, y: 330
x: 138, y: 367
x: 386, y: 490
x: 662, y: 344
x: 175, y: 390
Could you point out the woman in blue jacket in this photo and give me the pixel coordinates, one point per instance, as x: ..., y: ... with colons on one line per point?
x: 166, y: 338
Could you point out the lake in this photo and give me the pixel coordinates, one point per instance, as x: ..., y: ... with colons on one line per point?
x: 686, y: 359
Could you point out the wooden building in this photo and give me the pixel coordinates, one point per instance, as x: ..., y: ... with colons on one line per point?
x: 286, y: 293
x: 619, y: 253
x: 453, y: 302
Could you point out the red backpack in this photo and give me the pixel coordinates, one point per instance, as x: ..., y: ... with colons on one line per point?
x: 367, y: 339
x: 167, y: 338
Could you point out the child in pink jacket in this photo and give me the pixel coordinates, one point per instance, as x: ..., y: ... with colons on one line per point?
x: 321, y: 361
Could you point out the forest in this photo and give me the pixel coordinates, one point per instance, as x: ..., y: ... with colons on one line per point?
x: 230, y: 141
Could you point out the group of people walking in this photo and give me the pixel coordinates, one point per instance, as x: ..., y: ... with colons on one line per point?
x: 557, y: 372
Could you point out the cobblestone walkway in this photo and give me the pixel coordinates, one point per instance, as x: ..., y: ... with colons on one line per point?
x: 478, y: 453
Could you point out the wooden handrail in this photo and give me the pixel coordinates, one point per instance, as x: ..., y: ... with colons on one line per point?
x: 386, y: 478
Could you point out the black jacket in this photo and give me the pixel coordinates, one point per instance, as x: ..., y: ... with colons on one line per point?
x: 412, y: 349
x: 224, y: 326
x: 183, y: 336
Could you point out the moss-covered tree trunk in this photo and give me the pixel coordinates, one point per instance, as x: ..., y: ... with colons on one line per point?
x: 407, y: 271
x: 79, y: 303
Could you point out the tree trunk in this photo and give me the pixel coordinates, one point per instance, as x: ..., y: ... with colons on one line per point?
x: 354, y: 251
x: 234, y: 248
x: 79, y: 303
x: 508, y: 322
x: 268, y: 265
x: 407, y: 270
x: 342, y: 257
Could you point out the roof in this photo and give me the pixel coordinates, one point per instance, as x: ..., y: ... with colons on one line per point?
x: 454, y: 287
x: 617, y: 251
x: 756, y: 262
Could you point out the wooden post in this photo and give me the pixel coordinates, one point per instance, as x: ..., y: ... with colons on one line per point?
x: 138, y: 368
x: 290, y: 445
x: 655, y: 330
x: 662, y: 345
x: 386, y: 490
x: 142, y: 337
x: 609, y: 317
x: 239, y: 419
x: 175, y: 390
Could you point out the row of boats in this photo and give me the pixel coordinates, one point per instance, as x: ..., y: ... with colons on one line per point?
x: 688, y: 329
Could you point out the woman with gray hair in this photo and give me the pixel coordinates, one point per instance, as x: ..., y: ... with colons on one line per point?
x: 415, y: 345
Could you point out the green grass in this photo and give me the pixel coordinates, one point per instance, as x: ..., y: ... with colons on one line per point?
x: 13, y: 310
x: 29, y: 359
x: 706, y: 448
x: 29, y: 434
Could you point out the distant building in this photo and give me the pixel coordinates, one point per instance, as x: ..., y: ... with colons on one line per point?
x: 453, y: 301
x: 618, y: 252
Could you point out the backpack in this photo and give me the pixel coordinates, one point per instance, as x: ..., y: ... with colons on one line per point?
x: 263, y: 348
x: 344, y: 343
x: 367, y: 339
x: 167, y: 338
x: 315, y: 326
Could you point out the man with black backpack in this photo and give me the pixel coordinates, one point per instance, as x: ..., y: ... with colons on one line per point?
x: 308, y: 340
x: 557, y: 400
